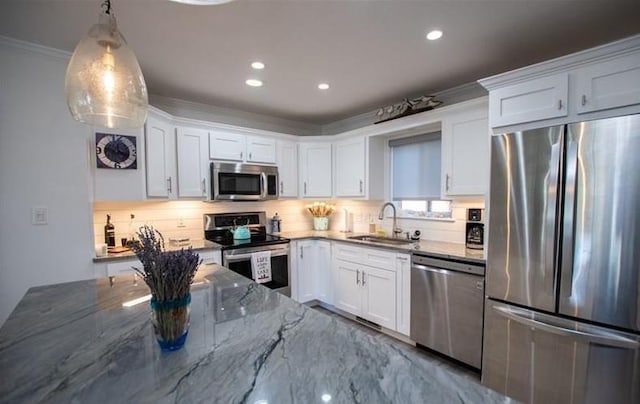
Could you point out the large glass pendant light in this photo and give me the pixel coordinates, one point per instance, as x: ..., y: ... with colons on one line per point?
x: 104, y: 84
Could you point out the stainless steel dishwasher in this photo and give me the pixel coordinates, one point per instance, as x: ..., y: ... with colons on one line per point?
x: 447, y: 307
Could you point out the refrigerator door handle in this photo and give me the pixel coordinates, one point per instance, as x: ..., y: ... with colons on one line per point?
x: 571, y: 182
x: 550, y: 220
x: 608, y: 340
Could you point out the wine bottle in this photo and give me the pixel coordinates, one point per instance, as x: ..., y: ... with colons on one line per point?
x: 109, y: 233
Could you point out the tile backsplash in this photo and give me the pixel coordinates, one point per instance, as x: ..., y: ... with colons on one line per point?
x: 183, y: 219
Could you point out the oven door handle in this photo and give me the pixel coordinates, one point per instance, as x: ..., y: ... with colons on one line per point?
x: 244, y: 257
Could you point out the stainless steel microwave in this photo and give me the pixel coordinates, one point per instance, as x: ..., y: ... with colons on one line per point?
x: 243, y: 182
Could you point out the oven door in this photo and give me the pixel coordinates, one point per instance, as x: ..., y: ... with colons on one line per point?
x: 239, y: 261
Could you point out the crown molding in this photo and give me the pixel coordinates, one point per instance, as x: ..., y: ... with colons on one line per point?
x: 33, y: 47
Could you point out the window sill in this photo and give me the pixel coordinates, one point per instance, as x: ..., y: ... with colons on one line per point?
x: 431, y: 219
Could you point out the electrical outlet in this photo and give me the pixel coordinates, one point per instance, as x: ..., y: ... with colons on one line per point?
x: 181, y: 222
x: 39, y: 215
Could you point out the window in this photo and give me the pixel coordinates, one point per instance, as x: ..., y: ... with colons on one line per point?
x: 416, y: 174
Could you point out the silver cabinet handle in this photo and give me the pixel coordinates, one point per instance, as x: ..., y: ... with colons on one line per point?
x: 281, y: 187
x: 305, y: 187
x: 361, y: 184
x: 301, y: 251
x: 559, y: 104
x: 169, y: 184
x: 363, y: 282
x: 609, y: 340
x: 446, y: 185
x: 584, y: 100
x: 204, y: 186
x: 402, y: 258
x: 250, y: 154
x: 241, y: 153
x: 357, y: 277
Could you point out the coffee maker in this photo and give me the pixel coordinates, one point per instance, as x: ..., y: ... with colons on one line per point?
x: 475, y: 229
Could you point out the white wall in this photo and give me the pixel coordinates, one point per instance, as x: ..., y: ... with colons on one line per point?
x: 43, y: 162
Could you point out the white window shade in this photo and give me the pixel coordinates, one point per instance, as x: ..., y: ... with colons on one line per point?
x: 416, y: 167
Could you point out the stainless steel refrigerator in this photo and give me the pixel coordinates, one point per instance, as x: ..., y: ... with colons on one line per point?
x: 562, y: 313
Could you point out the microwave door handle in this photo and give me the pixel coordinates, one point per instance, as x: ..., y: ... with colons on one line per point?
x: 263, y: 185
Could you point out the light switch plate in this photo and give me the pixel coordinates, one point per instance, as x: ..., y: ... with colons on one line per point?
x: 39, y: 215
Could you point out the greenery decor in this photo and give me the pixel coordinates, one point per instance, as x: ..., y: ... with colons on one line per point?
x: 169, y: 275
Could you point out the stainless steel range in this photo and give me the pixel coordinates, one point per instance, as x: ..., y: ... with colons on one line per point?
x: 236, y: 254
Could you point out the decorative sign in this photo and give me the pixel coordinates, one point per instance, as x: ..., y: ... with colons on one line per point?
x: 116, y: 151
x: 407, y: 107
x: 261, y: 266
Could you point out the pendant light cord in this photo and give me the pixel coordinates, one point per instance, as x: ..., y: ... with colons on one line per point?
x: 106, y: 5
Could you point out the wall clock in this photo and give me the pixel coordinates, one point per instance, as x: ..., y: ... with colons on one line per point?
x: 116, y: 151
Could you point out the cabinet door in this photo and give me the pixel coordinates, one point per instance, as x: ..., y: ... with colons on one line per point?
x: 350, y: 168
x: 315, y: 167
x: 192, y: 162
x: 465, y: 153
x: 534, y: 100
x: 347, y: 278
x: 288, y: 168
x: 160, y: 158
x: 609, y: 85
x: 306, y: 270
x: 261, y: 150
x: 225, y: 145
x: 379, y: 300
x: 403, y: 294
x: 323, y: 282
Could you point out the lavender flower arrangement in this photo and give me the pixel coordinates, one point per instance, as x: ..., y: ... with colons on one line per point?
x: 169, y: 275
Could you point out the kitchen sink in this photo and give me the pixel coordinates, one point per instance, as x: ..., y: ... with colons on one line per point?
x: 381, y: 240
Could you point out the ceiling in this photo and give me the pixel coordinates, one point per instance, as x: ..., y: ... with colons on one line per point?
x: 372, y: 53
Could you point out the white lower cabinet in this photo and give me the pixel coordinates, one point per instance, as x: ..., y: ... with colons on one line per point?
x: 364, y: 290
x: 311, y: 271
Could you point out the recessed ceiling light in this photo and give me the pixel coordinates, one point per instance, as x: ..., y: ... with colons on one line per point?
x: 433, y: 35
x: 254, y: 83
x: 257, y: 65
x: 323, y: 86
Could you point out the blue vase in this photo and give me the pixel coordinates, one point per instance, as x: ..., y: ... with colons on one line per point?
x: 171, y: 322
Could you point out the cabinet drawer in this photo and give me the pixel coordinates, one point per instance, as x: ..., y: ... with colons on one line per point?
x: 123, y: 267
x: 379, y: 258
x: 210, y: 257
x: 534, y: 100
x: 346, y: 252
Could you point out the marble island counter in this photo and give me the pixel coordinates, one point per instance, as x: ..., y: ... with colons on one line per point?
x: 77, y: 342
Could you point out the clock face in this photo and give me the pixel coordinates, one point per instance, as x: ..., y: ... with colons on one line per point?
x: 116, y: 151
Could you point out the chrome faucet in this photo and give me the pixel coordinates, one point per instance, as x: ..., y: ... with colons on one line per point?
x: 395, y: 229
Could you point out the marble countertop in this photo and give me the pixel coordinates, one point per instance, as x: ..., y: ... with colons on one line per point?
x: 75, y: 342
x: 195, y: 244
x: 435, y: 248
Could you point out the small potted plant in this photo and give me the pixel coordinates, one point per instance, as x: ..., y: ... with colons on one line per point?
x: 321, y: 212
x: 169, y: 275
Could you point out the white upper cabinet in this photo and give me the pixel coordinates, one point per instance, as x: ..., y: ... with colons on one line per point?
x: 226, y: 145
x: 596, y: 83
x: 288, y: 169
x: 261, y: 150
x: 161, y: 158
x: 315, y: 170
x: 193, y: 162
x: 350, y: 167
x: 465, y: 152
x: 533, y: 100
x: 232, y: 146
x: 608, y: 85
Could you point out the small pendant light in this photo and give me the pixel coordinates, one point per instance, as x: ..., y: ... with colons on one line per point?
x: 104, y: 84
